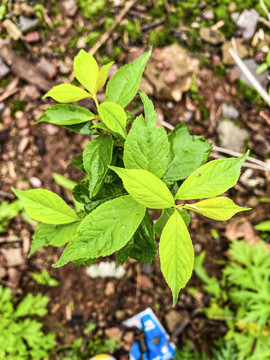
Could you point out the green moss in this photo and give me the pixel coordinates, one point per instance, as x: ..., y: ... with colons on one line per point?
x: 90, y: 8
x: 160, y: 38
x: 247, y: 92
x: 134, y: 29
x: 16, y: 105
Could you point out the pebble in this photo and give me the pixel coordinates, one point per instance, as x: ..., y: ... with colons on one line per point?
x: 148, y: 269
x: 64, y: 69
x: 4, y: 69
x: 70, y: 7
x: 173, y: 318
x: 13, y: 256
x: 246, y: 22
x: 110, y: 287
x: 30, y: 92
x: 233, y: 75
x: 23, y: 144
x: 231, y: 136
x: 28, y: 24
x: 35, y: 182
x: 252, y: 66
x: 226, y: 57
x: 230, y: 112
x: 13, y: 31
x: 188, y: 115
x: 144, y: 282
x: 119, y: 314
x: 32, y: 37
x: 208, y: 15
x: 2, y: 106
x: 214, y: 37
x: 47, y: 68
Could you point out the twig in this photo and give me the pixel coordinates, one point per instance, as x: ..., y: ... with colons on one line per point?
x: 264, y: 22
x: 153, y: 24
x: 236, y: 153
x: 246, y: 164
x: 255, y: 163
x: 265, y: 9
x: 7, y: 195
x: 248, y: 74
x: 108, y: 33
x: 47, y: 19
x: 7, y: 94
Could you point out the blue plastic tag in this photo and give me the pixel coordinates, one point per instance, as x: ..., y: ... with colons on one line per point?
x: 156, y: 337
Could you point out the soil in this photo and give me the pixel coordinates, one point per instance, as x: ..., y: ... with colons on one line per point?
x: 36, y: 151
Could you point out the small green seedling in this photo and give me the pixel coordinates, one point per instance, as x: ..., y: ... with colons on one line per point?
x: 128, y: 174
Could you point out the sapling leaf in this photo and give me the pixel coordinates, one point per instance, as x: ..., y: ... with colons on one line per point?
x: 176, y: 254
x: 85, y: 128
x: 66, y: 93
x: 164, y: 217
x: 142, y: 246
x: 149, y: 110
x: 114, y: 117
x: 45, y: 206
x: 187, y: 153
x: 97, y: 157
x: 102, y: 77
x: 105, y: 230
x: 86, y: 70
x: 219, y: 208
x: 145, y: 188
x: 66, y: 115
x: 54, y: 235
x: 211, y: 179
x: 124, y: 84
x: 146, y: 147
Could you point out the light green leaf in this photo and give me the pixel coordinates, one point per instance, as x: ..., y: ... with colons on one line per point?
x: 86, y: 70
x: 66, y: 115
x: 142, y: 246
x: 187, y: 153
x: 219, y: 208
x: 149, y: 110
x: 146, y: 188
x: 176, y: 254
x: 102, y: 77
x: 164, y: 217
x: 54, y: 235
x: 97, y: 157
x: 263, y: 226
x: 114, y: 117
x: 63, y: 181
x: 105, y: 230
x: 124, y: 84
x: 211, y: 179
x: 146, y: 147
x: 66, y: 93
x: 45, y: 206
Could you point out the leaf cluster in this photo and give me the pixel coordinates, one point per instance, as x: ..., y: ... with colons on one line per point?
x: 125, y: 175
x: 21, y: 337
x: 242, y: 298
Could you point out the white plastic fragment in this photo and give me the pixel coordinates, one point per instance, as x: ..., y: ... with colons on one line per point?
x: 106, y: 269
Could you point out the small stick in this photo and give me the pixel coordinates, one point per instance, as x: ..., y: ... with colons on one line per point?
x: 259, y: 164
x: 108, y: 33
x: 248, y: 74
x: 265, y: 9
x: 7, y: 195
x: 264, y: 22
